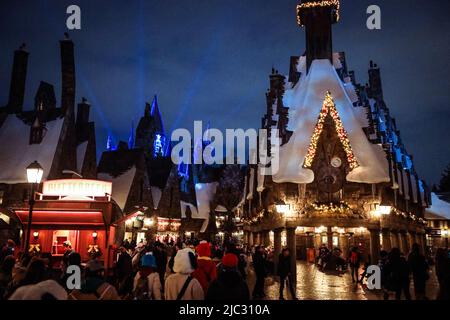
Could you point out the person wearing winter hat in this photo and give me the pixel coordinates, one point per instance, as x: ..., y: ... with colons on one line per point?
x: 44, y: 290
x: 147, y: 285
x: 94, y: 287
x: 181, y: 285
x: 229, y: 285
x: 206, y: 268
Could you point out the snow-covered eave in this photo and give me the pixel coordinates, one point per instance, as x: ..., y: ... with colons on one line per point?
x: 13, y: 161
x: 439, y: 208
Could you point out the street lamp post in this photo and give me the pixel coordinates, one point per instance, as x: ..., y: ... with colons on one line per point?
x: 34, y: 176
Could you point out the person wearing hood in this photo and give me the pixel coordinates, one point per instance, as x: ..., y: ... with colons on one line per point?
x: 147, y: 285
x: 206, y: 268
x: 181, y: 285
x: 44, y: 290
x: 229, y: 285
x: 94, y: 287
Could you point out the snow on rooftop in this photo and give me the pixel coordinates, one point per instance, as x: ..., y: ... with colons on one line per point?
x: 204, y: 192
x: 439, y: 208
x: 16, y: 153
x: 121, y: 185
x: 306, y: 100
x: 156, y: 196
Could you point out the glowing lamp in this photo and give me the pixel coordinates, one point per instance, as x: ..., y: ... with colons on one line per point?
x: 34, y: 172
x: 148, y: 222
x: 36, y: 234
x: 384, y: 210
x: 282, y: 207
x: 94, y: 234
x: 319, y: 229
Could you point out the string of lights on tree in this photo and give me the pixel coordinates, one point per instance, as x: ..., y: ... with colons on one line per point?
x: 329, y: 107
x: 319, y: 3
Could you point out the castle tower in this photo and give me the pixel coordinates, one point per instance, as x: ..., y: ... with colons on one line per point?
x: 317, y: 16
x: 150, y: 134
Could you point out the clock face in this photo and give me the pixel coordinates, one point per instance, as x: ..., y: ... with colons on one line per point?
x: 336, y: 162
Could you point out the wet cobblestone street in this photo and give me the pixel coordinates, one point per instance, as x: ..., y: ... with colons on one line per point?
x: 313, y: 284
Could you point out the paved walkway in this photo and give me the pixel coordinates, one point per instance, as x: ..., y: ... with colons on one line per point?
x: 313, y: 284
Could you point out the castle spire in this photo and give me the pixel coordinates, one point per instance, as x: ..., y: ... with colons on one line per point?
x: 156, y: 115
x: 109, y: 143
x: 131, y: 137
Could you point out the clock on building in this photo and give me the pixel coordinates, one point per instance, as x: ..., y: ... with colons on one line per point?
x: 336, y: 162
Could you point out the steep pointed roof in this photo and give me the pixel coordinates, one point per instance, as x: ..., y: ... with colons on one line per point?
x: 131, y: 137
x: 156, y: 115
x: 305, y: 101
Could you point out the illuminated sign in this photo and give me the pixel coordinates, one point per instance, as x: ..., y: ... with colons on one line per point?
x: 77, y: 188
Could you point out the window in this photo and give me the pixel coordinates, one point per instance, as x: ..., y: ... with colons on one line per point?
x: 324, y: 240
x: 335, y: 241
x: 1, y: 196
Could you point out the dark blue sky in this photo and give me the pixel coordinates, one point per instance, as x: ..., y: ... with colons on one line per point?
x: 210, y: 60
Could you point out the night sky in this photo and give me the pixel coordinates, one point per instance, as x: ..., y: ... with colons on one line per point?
x: 210, y: 59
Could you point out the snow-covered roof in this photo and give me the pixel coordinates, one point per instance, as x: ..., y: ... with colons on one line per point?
x: 121, y: 185
x: 156, y: 196
x: 16, y: 152
x: 439, y: 209
x: 305, y: 103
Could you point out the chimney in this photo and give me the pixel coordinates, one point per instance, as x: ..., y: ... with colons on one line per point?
x: 376, y: 88
x: 294, y: 75
x: 68, y: 75
x: 83, y: 112
x: 18, y: 79
x: 317, y: 18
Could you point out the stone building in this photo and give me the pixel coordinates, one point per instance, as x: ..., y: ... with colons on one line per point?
x: 438, y: 221
x: 345, y: 178
x: 62, y: 141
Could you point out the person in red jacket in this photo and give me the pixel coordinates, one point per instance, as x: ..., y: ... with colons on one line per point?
x: 206, y: 268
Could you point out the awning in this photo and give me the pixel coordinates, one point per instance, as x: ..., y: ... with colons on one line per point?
x: 52, y: 218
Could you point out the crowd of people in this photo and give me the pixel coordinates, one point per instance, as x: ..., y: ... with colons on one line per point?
x: 155, y: 271
x: 397, y: 271
x: 199, y: 270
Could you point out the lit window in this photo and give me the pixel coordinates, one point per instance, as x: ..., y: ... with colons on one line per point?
x: 335, y: 241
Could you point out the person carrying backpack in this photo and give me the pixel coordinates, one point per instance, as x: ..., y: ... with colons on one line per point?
x: 181, y: 285
x: 147, y: 285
